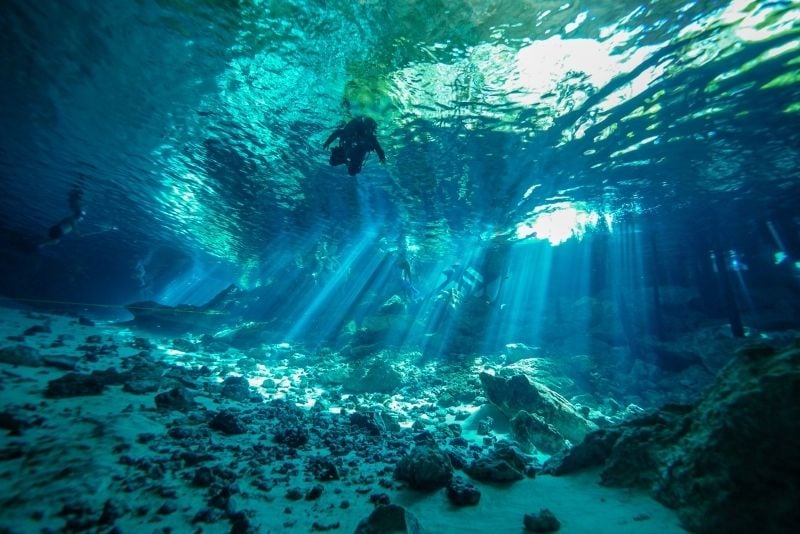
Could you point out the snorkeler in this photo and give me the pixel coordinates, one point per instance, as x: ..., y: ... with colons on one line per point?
x: 68, y: 224
x: 356, y: 139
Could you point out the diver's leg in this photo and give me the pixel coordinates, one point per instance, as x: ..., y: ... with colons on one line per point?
x: 355, y: 163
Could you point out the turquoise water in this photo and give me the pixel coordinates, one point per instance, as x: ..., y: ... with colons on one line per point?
x: 606, y: 190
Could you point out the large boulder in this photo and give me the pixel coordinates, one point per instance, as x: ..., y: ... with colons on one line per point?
x: 517, y: 393
x: 730, y: 463
x: 426, y: 468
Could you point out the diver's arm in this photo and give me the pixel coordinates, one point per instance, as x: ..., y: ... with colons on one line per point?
x: 379, y: 150
x: 336, y: 133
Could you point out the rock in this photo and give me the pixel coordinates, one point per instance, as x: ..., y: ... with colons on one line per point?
x: 228, y: 423
x: 485, y: 426
x: 390, y: 518
x: 544, y: 521
x: 725, y: 463
x: 426, y: 468
x: 61, y: 361
x: 177, y: 398
x: 517, y: 393
x: 379, y: 498
x: 20, y: 355
x: 323, y: 469
x: 374, y: 423
x: 519, y: 351
x: 183, y: 345
x: 378, y: 377
x: 236, y: 388
x: 140, y: 387
x: 294, y: 494
x: 74, y: 385
x: 594, y: 450
x: 314, y: 492
x: 488, y: 469
x: 532, y: 432
x: 462, y: 493
x: 319, y: 526
x: 291, y: 436
x: 37, y: 329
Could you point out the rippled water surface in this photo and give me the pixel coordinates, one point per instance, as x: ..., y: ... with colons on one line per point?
x: 201, y: 123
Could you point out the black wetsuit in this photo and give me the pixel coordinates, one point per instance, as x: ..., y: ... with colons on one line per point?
x: 356, y: 139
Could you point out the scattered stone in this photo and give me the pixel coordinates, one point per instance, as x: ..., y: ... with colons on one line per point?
x: 74, y: 385
x: 141, y: 343
x: 61, y: 361
x: 294, y: 494
x: 319, y: 526
x: 228, y: 423
x: 389, y: 518
x: 140, y: 387
x: 94, y: 339
x: 462, y: 493
x: 207, y: 515
x: 167, y: 508
x: 293, y: 436
x: 314, y: 493
x: 544, y: 521
x: 112, y: 510
x: 488, y: 469
x: 20, y: 355
x: 379, y: 498
x: 183, y: 345
x: 323, y: 469
x: 177, y: 398
x: 236, y: 388
x: 485, y: 426
x: 37, y: 329
x: 425, y: 468
x: 378, y: 377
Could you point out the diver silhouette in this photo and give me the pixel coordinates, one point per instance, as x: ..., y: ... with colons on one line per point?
x: 356, y: 139
x: 68, y: 224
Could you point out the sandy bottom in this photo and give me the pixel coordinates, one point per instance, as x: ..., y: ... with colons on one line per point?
x: 69, y: 454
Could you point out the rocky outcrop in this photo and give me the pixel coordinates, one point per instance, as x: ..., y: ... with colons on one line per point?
x: 730, y: 463
x: 511, y: 395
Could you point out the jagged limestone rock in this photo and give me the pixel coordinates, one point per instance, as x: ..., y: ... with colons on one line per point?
x: 730, y: 463
x: 517, y: 393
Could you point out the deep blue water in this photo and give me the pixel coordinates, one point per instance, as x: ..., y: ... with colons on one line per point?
x: 638, y: 161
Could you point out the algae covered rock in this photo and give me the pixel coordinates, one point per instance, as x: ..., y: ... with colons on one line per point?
x: 517, y: 393
x: 532, y: 432
x: 425, y: 468
x: 377, y: 377
x: 730, y: 463
x: 390, y: 518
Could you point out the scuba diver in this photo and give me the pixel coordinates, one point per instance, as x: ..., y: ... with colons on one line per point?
x: 410, y: 293
x: 68, y: 224
x: 356, y: 139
